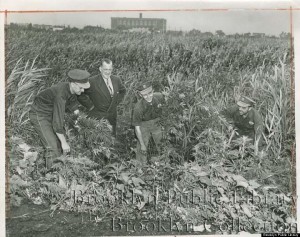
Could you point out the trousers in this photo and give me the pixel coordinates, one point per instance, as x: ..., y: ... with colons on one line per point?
x: 51, y: 144
x: 149, y: 129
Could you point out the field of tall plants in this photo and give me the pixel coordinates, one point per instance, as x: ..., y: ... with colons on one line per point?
x: 199, y: 179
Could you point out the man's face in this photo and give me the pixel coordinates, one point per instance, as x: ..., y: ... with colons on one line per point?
x: 147, y: 94
x: 77, y: 88
x: 244, y: 110
x: 106, y: 69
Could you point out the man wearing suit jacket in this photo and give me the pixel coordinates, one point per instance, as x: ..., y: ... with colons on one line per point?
x: 104, y: 95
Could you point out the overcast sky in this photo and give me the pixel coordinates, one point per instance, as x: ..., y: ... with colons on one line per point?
x: 233, y: 17
x: 239, y: 18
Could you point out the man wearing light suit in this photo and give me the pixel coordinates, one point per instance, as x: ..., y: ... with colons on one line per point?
x: 104, y: 95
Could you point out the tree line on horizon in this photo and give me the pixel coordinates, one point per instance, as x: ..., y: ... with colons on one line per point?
x: 193, y: 32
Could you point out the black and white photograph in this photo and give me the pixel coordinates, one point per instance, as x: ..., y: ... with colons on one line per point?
x: 149, y: 117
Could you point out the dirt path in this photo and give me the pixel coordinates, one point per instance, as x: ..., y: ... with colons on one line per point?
x: 33, y: 220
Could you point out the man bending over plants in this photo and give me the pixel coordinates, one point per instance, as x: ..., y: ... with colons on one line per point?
x: 48, y: 111
x: 146, y: 116
x: 245, y: 120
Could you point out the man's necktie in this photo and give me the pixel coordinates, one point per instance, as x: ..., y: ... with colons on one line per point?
x: 109, y: 88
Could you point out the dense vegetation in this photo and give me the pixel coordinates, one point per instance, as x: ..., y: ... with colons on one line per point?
x: 199, y: 76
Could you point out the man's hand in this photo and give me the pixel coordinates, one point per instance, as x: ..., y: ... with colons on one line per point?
x: 76, y: 112
x: 231, y: 129
x: 65, y: 147
x: 143, y: 149
x: 139, y: 135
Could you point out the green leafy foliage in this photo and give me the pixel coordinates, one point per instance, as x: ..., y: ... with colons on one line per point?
x: 199, y: 76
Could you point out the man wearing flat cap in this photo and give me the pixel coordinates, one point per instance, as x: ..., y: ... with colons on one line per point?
x: 246, y: 120
x: 48, y: 110
x: 146, y: 116
x: 104, y: 95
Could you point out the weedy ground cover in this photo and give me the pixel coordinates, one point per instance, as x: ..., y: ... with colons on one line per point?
x: 199, y: 78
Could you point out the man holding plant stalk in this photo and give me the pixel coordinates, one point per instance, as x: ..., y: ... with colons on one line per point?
x: 245, y: 120
x: 48, y: 111
x: 146, y: 115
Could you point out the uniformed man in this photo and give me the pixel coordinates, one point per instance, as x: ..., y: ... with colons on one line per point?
x: 245, y: 120
x: 48, y: 111
x: 146, y: 115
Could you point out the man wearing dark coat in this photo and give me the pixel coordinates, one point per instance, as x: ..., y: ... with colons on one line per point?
x: 104, y: 95
x: 48, y: 111
x: 147, y: 114
x: 246, y: 120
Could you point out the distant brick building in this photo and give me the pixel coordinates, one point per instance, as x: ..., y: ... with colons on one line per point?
x: 151, y: 24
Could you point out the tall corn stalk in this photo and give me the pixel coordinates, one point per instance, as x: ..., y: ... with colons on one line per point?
x: 22, y: 85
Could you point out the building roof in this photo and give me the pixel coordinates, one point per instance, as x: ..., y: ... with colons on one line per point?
x: 137, y: 18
